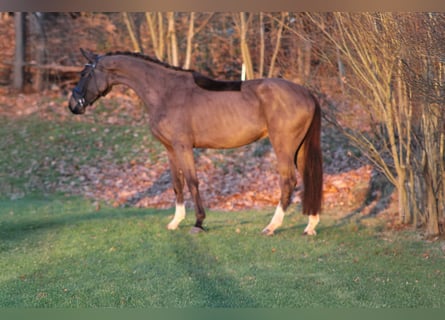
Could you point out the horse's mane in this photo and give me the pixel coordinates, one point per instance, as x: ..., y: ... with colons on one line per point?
x: 201, y: 80
x: 147, y: 58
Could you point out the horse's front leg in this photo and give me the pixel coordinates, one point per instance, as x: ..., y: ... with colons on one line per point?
x: 177, y: 177
x: 185, y: 164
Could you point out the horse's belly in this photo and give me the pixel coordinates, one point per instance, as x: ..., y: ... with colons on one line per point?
x: 226, y: 136
x: 227, y: 120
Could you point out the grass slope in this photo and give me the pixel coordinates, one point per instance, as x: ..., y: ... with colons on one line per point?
x: 61, y: 251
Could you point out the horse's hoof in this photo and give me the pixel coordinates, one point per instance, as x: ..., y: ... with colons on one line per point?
x: 196, y: 230
x: 310, y: 233
x: 267, y: 232
x: 171, y: 227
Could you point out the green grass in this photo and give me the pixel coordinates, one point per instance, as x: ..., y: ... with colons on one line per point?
x: 32, y: 148
x: 60, y: 251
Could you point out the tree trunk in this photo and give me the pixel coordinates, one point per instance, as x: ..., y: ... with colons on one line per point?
x: 262, y: 47
x: 402, y: 186
x: 433, y: 168
x: 134, y: 41
x: 277, y: 45
x: 40, y: 52
x: 20, y: 41
x: 307, y: 49
x: 190, y: 34
x: 173, y: 43
x: 154, y: 35
x: 243, y: 25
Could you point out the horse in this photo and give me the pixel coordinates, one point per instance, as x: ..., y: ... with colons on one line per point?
x: 188, y: 110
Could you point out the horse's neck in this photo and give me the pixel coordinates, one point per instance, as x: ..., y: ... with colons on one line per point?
x: 144, y: 77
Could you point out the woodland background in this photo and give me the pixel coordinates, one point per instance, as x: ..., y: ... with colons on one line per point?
x: 379, y: 77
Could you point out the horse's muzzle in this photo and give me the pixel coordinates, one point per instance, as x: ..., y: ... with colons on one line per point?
x: 75, y: 106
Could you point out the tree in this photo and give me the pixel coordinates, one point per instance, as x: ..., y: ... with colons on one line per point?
x: 19, y: 61
x: 156, y: 29
x: 243, y: 26
x: 424, y: 73
x: 407, y: 137
x: 134, y: 40
x: 277, y: 45
x: 172, y: 48
x: 37, y: 28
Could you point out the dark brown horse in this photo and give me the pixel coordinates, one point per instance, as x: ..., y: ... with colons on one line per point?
x: 188, y: 110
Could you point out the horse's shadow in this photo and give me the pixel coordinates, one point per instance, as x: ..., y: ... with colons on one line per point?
x: 17, y: 231
x: 161, y: 184
x: 377, y: 199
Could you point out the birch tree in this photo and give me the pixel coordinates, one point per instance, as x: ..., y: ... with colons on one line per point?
x: 243, y: 23
x: 156, y: 30
x: 131, y: 31
x: 277, y: 44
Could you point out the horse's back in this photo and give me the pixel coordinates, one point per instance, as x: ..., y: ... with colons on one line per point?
x: 284, y: 98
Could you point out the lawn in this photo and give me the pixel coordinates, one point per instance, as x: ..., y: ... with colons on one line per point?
x: 61, y: 250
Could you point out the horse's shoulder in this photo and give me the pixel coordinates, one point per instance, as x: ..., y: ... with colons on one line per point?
x: 210, y: 84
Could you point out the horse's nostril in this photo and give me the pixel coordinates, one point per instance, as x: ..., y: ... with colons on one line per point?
x: 75, y: 107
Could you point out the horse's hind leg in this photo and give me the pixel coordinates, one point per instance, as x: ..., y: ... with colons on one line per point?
x: 313, y: 219
x: 286, y: 170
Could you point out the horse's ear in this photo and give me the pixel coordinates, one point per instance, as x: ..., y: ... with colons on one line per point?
x: 91, y: 57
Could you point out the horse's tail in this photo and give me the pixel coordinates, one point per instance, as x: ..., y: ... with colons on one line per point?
x: 313, y: 165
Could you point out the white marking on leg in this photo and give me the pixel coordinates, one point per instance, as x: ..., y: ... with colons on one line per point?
x: 312, y: 223
x: 276, y: 222
x: 179, y: 216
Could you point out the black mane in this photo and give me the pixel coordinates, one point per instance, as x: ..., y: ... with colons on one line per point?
x: 148, y: 58
x: 216, y: 85
x: 201, y: 80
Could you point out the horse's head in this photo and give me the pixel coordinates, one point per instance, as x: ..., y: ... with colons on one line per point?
x: 92, y: 85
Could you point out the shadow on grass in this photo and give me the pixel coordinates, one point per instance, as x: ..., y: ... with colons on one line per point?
x: 216, y: 287
x: 377, y: 200
x: 24, y: 227
x: 162, y: 184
